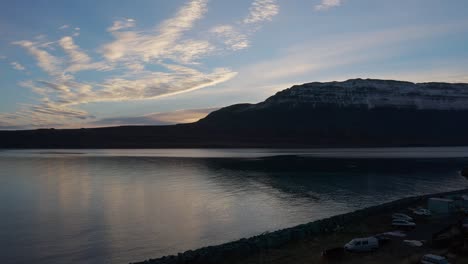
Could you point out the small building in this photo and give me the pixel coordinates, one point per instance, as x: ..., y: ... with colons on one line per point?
x: 441, y: 205
x: 464, y: 199
x: 461, y: 203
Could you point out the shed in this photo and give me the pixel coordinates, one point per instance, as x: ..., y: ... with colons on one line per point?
x: 440, y: 205
x: 464, y: 199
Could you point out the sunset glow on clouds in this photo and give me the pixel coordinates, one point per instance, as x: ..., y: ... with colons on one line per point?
x: 131, y: 49
x: 66, y: 80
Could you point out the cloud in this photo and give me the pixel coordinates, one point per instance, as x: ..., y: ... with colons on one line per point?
x: 183, y: 116
x: 156, y: 84
x: 318, y: 58
x: 17, y: 66
x: 163, y: 118
x: 128, y: 63
x: 46, y: 113
x: 56, y: 87
x: 48, y: 63
x: 79, y: 60
x: 8, y: 122
x: 64, y: 27
x: 148, y: 85
x: 54, y: 110
x: 77, y: 32
x: 262, y: 10
x: 121, y: 24
x: 231, y: 37
x: 163, y: 42
x: 76, y: 55
x: 327, y: 4
x: 236, y: 37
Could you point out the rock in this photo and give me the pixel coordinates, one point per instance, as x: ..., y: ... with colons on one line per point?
x: 464, y: 172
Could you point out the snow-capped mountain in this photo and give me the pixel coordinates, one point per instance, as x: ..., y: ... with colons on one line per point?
x: 371, y: 93
x: 353, y: 113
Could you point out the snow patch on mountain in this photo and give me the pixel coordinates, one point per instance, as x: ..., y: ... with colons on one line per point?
x: 372, y: 93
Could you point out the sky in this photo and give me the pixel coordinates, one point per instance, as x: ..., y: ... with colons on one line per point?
x: 71, y: 64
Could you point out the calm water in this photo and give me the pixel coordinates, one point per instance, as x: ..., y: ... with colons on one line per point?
x: 117, y: 206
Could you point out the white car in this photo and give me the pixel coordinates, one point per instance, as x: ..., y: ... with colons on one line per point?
x: 422, y: 211
x: 433, y: 259
x: 402, y: 216
x: 403, y: 223
x: 362, y: 244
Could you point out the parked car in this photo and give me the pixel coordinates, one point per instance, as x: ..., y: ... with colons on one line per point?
x: 403, y: 223
x: 362, y: 244
x: 422, y: 211
x: 402, y: 216
x: 433, y: 259
x: 383, y: 239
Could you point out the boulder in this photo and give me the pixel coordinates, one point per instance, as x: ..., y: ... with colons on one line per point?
x: 464, y: 172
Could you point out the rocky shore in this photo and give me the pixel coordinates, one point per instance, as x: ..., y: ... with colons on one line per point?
x: 245, y: 250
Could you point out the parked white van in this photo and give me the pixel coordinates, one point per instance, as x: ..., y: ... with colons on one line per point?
x: 362, y: 244
x: 433, y: 259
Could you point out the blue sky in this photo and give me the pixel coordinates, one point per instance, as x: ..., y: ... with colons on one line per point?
x: 97, y: 63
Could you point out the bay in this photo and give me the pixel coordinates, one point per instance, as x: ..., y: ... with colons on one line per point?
x: 119, y: 206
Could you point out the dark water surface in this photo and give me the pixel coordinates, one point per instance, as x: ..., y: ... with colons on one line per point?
x: 118, y: 206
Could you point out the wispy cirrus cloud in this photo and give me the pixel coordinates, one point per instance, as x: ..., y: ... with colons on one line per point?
x: 231, y: 37
x: 262, y: 10
x: 327, y: 4
x: 154, y: 85
x: 76, y: 55
x: 166, y: 45
x: 48, y: 63
x: 53, y: 110
x: 303, y: 61
x: 163, y: 118
x: 122, y: 24
x: 78, y: 59
x: 162, y: 42
x: 236, y: 36
x: 17, y: 66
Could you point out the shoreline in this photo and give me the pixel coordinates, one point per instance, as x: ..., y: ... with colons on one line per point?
x: 247, y: 247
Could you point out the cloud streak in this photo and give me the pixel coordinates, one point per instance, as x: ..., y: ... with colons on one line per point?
x: 262, y: 10
x: 45, y: 60
x: 163, y: 118
x: 78, y: 59
x: 302, y: 61
x: 236, y: 36
x: 327, y: 4
x: 163, y: 42
x: 17, y: 66
x: 122, y: 24
x: 231, y: 37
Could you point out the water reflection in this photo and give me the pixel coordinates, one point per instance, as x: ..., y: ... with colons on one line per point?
x: 95, y: 209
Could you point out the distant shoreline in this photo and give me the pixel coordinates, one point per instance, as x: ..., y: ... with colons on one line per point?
x: 458, y: 152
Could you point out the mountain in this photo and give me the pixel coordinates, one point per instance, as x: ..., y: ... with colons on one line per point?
x: 352, y: 113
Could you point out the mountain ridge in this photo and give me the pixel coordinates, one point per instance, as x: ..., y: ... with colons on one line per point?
x: 352, y: 113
